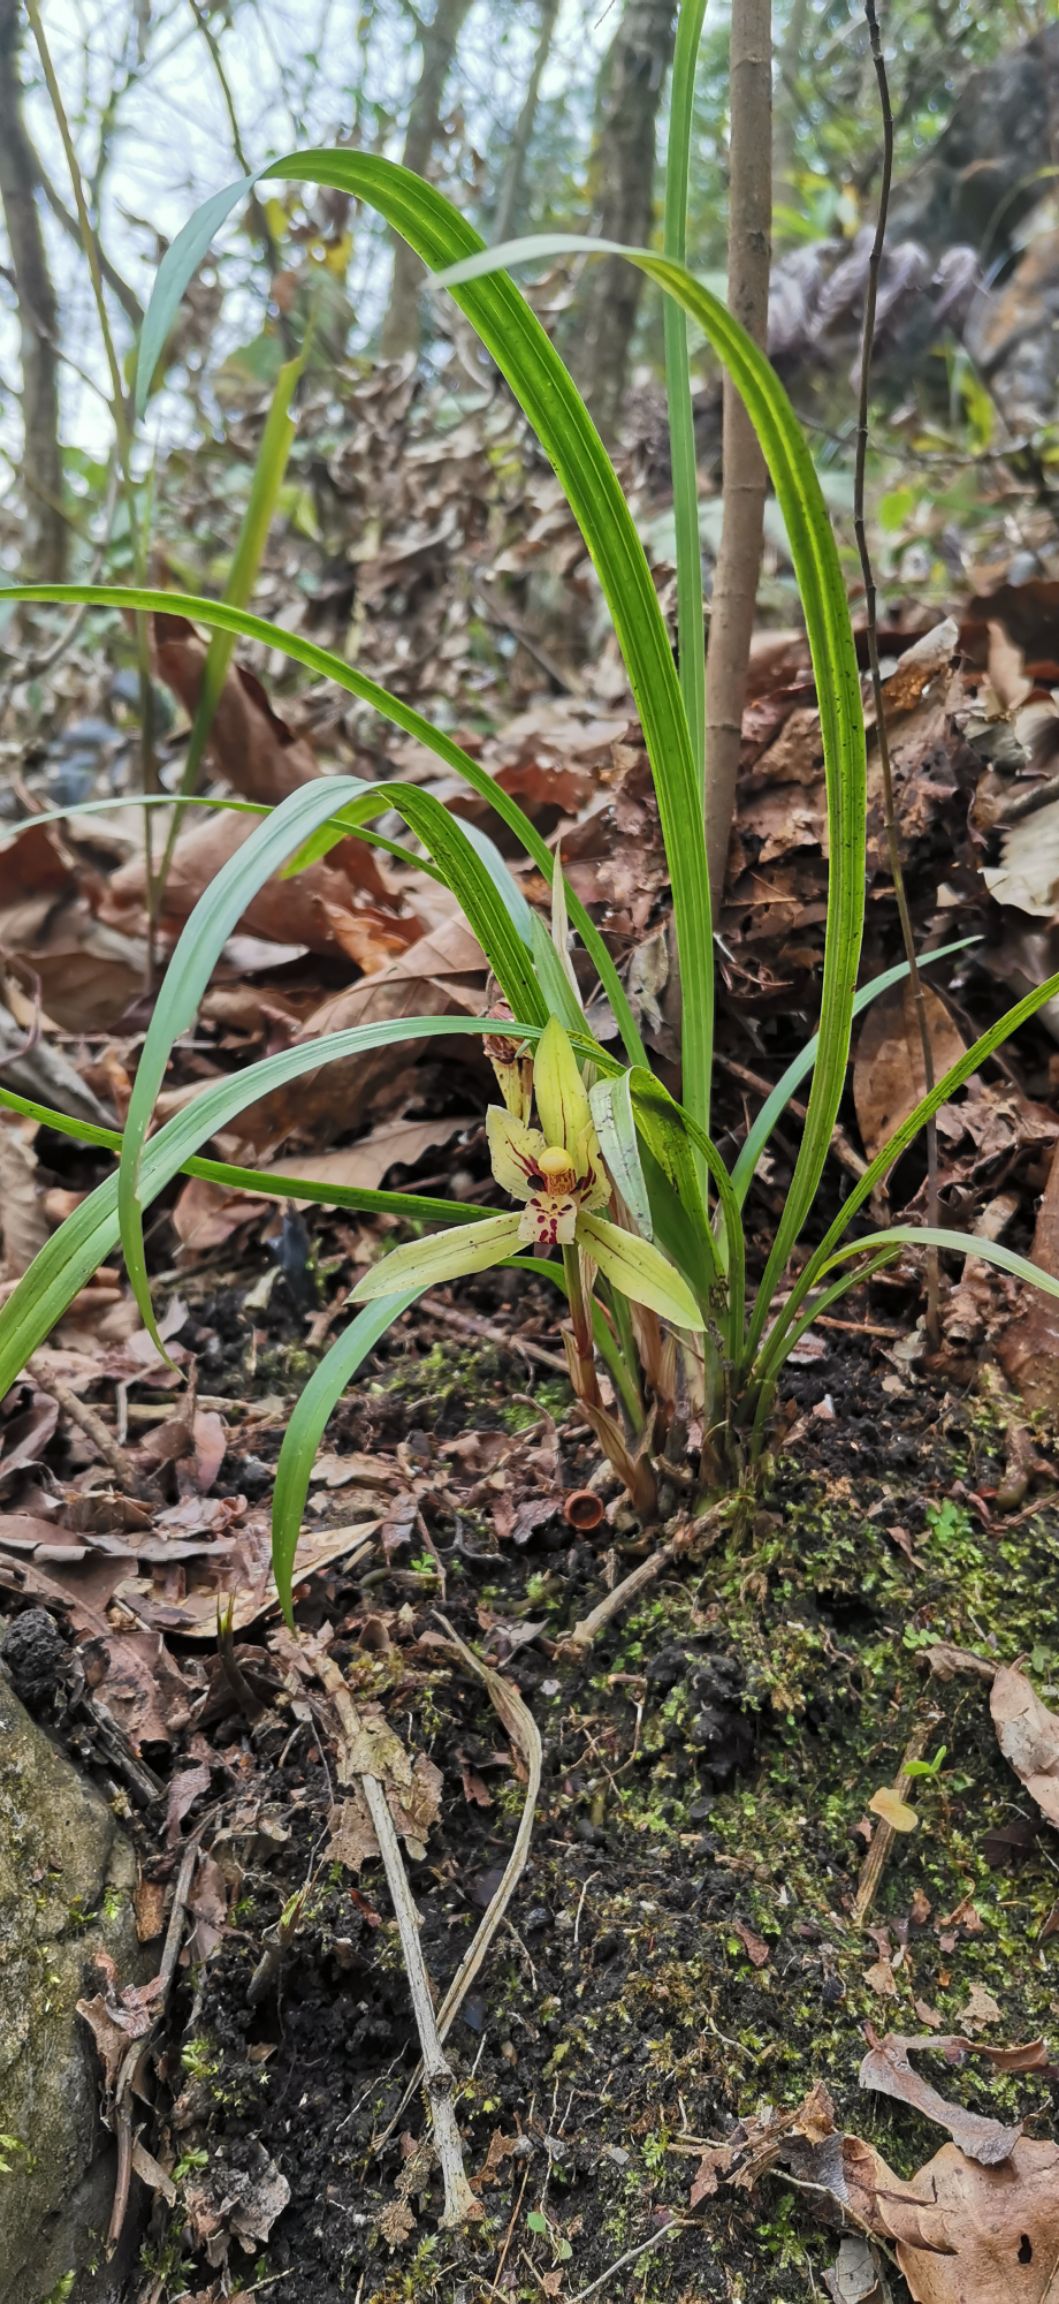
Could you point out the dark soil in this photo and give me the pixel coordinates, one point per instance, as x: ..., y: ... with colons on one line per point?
x: 680, y: 1947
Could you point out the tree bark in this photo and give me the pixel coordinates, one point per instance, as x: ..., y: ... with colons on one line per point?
x: 739, y: 559
x: 38, y: 317
x: 622, y: 168
x: 401, y: 327
x: 507, y: 213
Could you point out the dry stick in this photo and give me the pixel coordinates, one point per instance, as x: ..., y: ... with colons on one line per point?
x: 745, y: 479
x: 470, y: 1325
x: 933, y: 1319
x: 883, y: 1836
x: 460, y: 2202
x: 525, y: 1735
x: 705, y: 1530
x: 665, y: 2231
x: 123, y: 438
x: 137, y: 2049
x: 91, y: 1422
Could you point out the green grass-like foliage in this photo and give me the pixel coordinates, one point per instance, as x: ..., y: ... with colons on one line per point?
x: 673, y: 1241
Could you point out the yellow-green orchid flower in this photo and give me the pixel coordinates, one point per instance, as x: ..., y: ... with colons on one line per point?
x: 557, y: 1172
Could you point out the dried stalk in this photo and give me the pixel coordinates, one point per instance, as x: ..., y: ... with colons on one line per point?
x: 933, y: 1317
x: 703, y: 1531
x: 884, y: 1835
x: 133, y: 2060
x: 123, y: 440
x: 525, y: 1735
x: 745, y: 477
x: 460, y: 2202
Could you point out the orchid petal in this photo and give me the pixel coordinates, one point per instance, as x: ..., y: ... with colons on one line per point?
x: 447, y: 1256
x: 562, y: 1098
x: 549, y: 1220
x: 514, y: 1152
x: 640, y: 1271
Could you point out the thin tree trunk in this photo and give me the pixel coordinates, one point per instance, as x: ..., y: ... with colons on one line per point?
x: 38, y: 316
x: 401, y: 327
x: 631, y: 82
x: 507, y: 213
x: 739, y: 559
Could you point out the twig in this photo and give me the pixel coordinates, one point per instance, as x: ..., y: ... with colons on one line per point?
x: 525, y: 1735
x: 883, y: 1835
x: 460, y: 2202
x: 933, y: 1315
x: 707, y: 1528
x: 471, y: 1325
x: 841, y: 1149
x: 137, y: 2049
x: 33, y: 667
x: 91, y: 1422
x: 123, y: 440
x: 665, y: 2232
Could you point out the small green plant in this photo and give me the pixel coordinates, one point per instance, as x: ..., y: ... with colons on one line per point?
x: 199, y: 2060
x: 189, y: 2164
x: 11, y: 2149
x: 538, y: 2222
x: 648, y: 1216
x: 889, y: 1803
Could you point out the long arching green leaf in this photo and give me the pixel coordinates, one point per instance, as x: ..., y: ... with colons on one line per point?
x: 823, y: 593
x: 801, y: 1065
x: 311, y: 1411
x: 524, y: 354
x: 226, y: 899
x: 265, y: 1183
x: 219, y: 615
x: 691, y: 650
x: 877, y: 1169
x: 178, y: 266
x: 86, y: 1238
x: 879, y: 1248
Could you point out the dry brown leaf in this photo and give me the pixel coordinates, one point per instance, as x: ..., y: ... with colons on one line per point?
x: 1028, y: 1736
x: 118, y: 2014
x: 1029, y: 1349
x: 1001, y: 2225
x: 24, y: 1227
x: 352, y: 1841
x: 978, y: 2009
x: 753, y: 1945
x: 888, y: 1804
x: 888, y: 1073
x: 394, y: 1144
x: 237, y: 1566
x: 224, y: 2201
x: 139, y: 1684
x: 321, y: 909
x: 249, y: 743
x: 856, y: 2278
x: 888, y: 2070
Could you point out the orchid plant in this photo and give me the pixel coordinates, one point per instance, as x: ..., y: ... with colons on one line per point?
x: 558, y: 1173
x: 664, y: 1332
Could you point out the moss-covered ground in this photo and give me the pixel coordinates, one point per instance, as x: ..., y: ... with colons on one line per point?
x: 682, y: 1948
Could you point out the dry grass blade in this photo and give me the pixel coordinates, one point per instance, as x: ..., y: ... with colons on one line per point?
x: 460, y: 2202
x: 525, y: 1735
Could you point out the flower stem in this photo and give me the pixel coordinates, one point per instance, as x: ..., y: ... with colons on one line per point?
x: 586, y: 1383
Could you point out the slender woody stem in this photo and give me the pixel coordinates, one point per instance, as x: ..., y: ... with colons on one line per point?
x: 933, y: 1321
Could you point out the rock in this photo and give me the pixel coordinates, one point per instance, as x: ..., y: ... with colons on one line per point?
x: 66, y: 1877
